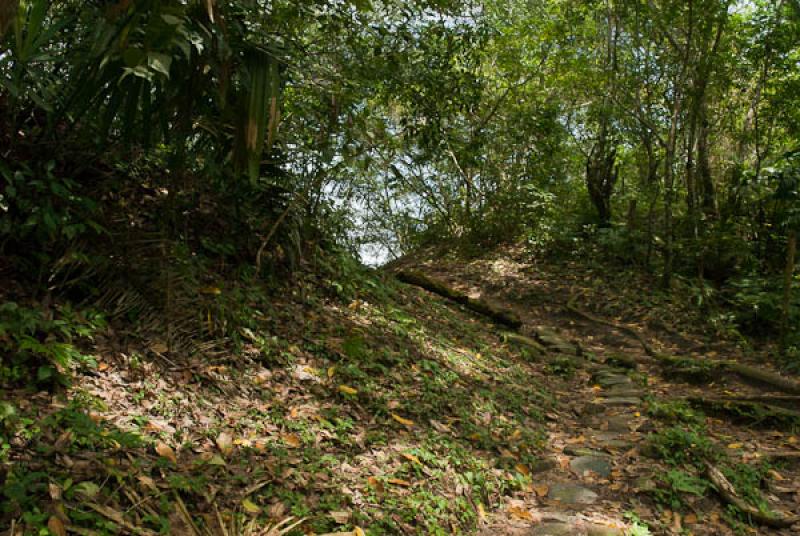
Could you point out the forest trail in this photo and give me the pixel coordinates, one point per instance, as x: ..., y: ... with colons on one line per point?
x: 602, y: 465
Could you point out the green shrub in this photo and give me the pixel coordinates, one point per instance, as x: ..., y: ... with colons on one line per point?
x: 37, y: 349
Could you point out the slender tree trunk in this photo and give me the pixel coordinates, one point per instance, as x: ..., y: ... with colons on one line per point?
x: 669, y: 192
x: 788, y: 276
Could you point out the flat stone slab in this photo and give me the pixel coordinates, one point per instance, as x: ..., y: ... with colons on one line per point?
x: 596, y: 464
x: 574, y: 529
x: 571, y: 450
x: 619, y: 401
x: 554, y: 529
x: 611, y: 380
x: 621, y: 423
x: 623, y: 390
x: 572, y: 494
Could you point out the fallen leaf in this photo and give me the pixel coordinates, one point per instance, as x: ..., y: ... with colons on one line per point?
x: 216, y: 291
x: 519, y: 513
x: 399, y: 482
x: 376, y: 484
x: 411, y: 458
x: 481, y: 511
x: 340, y: 517
x: 541, y: 489
x: 522, y: 469
x: 331, y: 371
x: 217, y: 460
x: 56, y: 526
x: 346, y: 389
x: 403, y: 421
x: 225, y: 443
x: 147, y: 482
x: 165, y: 451
x: 735, y: 446
x: 691, y: 519
x: 292, y: 440
x: 159, y: 347
x: 358, y: 532
x: 250, y: 507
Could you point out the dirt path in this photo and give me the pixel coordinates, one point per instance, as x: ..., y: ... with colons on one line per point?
x: 594, y: 478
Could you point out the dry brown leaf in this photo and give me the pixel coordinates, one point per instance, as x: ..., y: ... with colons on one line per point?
x: 541, y: 489
x: 165, y: 451
x: 375, y: 483
x: 340, y: 517
x: 147, y: 482
x: 56, y: 526
x: 522, y: 469
x: 292, y: 440
x: 399, y: 482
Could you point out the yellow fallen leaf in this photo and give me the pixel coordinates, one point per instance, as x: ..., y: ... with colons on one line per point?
x: 735, y: 446
x: 481, y: 511
x: 401, y: 420
x: 399, y: 482
x: 637, y: 414
x: 346, y: 389
x: 56, y: 526
x: 358, y: 531
x: 411, y: 458
x: 516, y: 435
x: 216, y: 291
x: 331, y: 371
x: 165, y: 451
x: 519, y: 513
x: 522, y: 469
x: 250, y: 507
x: 292, y: 440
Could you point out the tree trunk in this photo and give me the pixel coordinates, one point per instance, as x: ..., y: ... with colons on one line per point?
x: 788, y: 275
x: 601, y: 176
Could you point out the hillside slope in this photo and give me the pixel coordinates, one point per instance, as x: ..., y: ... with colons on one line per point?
x: 363, y: 405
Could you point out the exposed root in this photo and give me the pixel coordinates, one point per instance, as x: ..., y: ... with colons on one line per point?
x: 729, y: 495
x: 747, y: 372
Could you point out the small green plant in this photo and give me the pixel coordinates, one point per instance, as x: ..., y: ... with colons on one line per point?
x: 31, y: 343
x: 674, y: 411
x: 561, y: 366
x: 637, y: 527
x: 675, y: 483
x: 677, y: 446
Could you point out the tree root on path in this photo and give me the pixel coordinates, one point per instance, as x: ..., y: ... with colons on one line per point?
x: 729, y: 495
x: 500, y: 316
x: 752, y: 410
x: 747, y: 372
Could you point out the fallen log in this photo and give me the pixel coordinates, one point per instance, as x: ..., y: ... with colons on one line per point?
x: 499, y: 316
x: 728, y: 493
